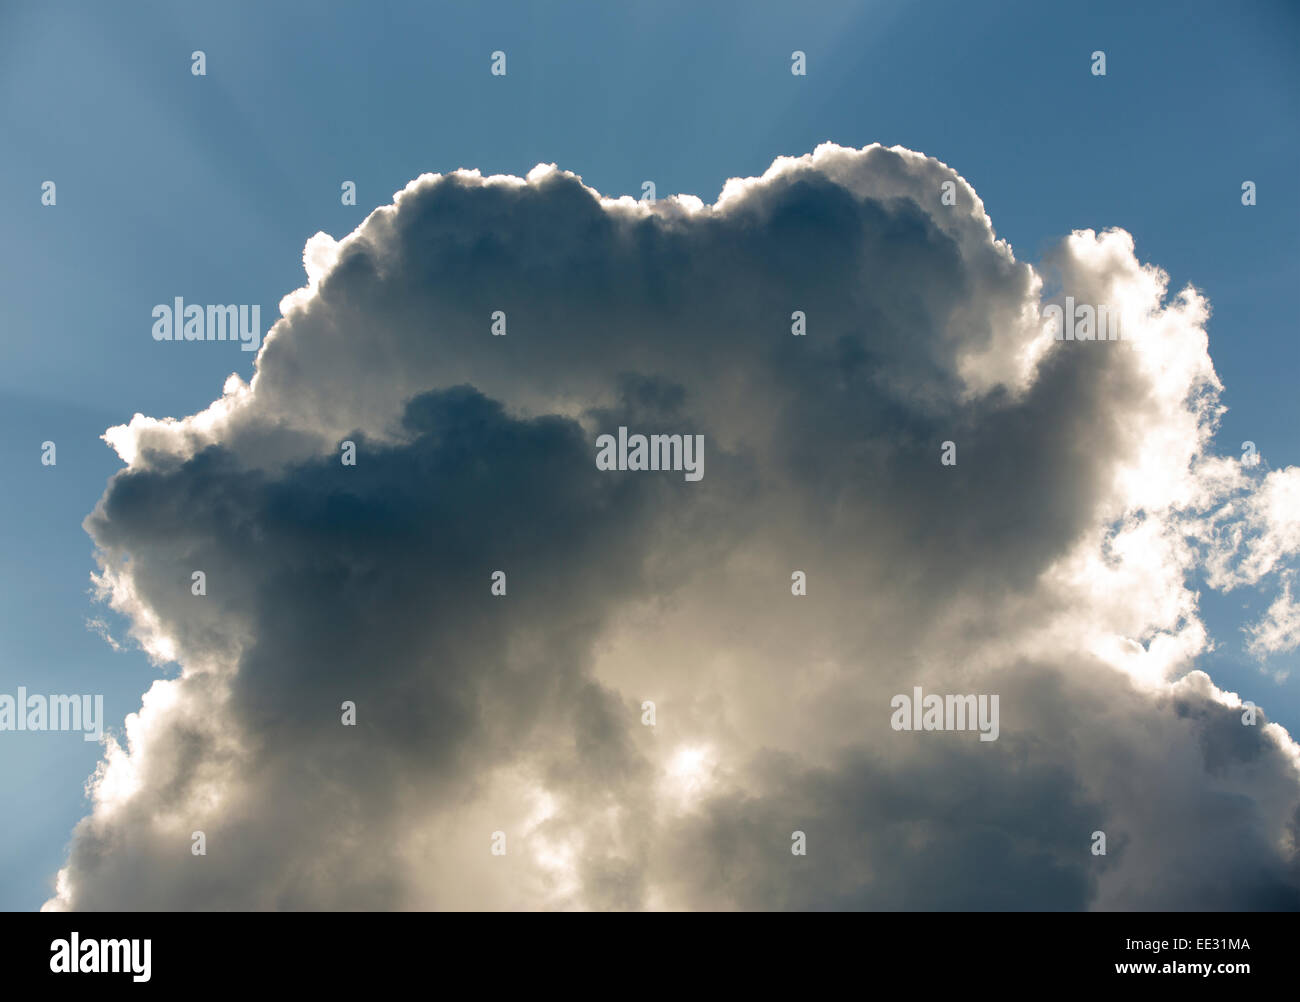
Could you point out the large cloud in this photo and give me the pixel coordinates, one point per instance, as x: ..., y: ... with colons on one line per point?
x: 1050, y: 566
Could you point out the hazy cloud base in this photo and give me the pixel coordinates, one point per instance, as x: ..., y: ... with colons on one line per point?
x: 1049, y: 566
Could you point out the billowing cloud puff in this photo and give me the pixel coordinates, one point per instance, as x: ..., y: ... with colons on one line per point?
x: 1049, y: 565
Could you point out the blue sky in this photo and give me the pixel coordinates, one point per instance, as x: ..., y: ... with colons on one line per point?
x: 207, y: 187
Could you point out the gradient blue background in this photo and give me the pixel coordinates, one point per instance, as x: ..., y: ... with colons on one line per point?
x: 207, y: 188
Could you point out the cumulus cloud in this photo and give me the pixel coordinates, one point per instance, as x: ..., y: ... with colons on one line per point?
x: 1278, y: 630
x: 1049, y: 566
